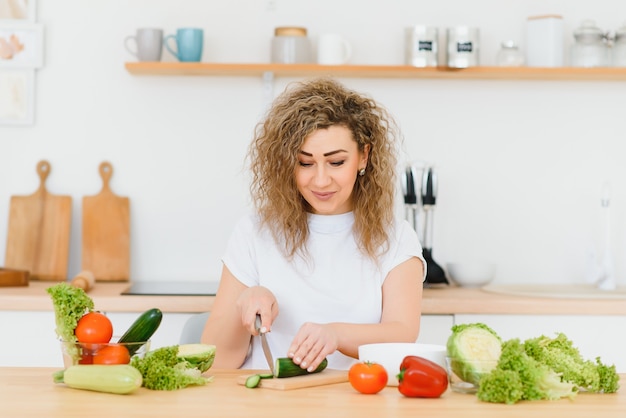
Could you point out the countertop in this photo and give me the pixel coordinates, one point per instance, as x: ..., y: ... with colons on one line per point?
x: 442, y: 301
x: 224, y: 398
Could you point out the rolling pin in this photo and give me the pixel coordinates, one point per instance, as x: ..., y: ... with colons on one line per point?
x: 85, y: 280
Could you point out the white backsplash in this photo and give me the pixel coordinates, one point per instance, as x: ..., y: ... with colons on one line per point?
x: 520, y: 163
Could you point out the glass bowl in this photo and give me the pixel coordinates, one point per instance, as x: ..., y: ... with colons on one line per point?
x: 465, y: 379
x: 94, y: 353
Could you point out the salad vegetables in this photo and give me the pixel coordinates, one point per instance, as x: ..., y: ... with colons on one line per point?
x: 474, y: 350
x: 78, y: 324
x: 519, y: 376
x: 534, y: 369
x: 421, y: 378
x: 367, y: 377
x: 70, y: 304
x: 560, y: 355
x: 175, y: 367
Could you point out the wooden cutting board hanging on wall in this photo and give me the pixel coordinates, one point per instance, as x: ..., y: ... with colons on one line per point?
x: 106, y: 232
x: 38, y: 239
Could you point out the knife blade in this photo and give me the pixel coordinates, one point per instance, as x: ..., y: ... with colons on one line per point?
x: 264, y: 344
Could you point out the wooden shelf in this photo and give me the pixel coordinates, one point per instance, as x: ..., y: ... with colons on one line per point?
x: 376, y: 71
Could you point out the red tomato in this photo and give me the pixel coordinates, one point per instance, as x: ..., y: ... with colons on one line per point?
x: 86, y: 356
x: 367, y: 377
x: 112, y: 354
x: 94, y: 327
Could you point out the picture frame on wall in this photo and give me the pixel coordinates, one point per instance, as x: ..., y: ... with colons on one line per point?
x: 18, y: 10
x: 21, y: 45
x: 17, y: 96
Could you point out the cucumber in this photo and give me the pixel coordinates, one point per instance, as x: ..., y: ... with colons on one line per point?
x: 142, y: 329
x: 119, y: 378
x: 285, y: 367
x: 255, y: 379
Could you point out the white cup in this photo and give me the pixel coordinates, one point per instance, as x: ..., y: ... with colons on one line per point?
x: 146, y: 45
x: 333, y: 49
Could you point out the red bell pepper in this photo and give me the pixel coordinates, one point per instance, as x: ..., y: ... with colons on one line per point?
x: 422, y: 378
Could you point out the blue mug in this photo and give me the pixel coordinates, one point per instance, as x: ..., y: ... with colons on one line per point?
x: 189, y: 44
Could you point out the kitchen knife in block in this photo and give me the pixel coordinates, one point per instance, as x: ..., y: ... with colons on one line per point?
x: 325, y: 377
x: 38, y: 239
x: 106, y: 232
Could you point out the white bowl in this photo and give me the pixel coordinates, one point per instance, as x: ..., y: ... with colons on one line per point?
x: 471, y: 274
x: 390, y: 356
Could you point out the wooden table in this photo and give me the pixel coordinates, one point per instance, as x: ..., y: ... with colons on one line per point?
x: 30, y: 392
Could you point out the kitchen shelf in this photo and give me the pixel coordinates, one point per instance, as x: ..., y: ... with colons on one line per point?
x: 375, y: 71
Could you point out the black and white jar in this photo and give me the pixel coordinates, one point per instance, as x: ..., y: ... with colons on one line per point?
x: 420, y: 46
x: 463, y: 47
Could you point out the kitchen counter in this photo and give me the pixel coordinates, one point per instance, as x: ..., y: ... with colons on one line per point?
x: 224, y: 398
x: 444, y: 301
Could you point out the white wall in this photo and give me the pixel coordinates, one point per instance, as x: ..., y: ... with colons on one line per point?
x: 520, y: 163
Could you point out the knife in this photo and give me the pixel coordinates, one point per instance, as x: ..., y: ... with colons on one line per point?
x: 266, y: 347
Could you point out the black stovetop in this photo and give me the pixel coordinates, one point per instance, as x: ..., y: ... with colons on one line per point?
x: 172, y: 288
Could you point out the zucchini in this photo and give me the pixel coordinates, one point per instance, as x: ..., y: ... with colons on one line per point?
x: 119, y: 378
x: 142, y: 329
x: 285, y: 367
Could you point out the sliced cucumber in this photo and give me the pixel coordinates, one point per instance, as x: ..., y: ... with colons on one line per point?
x: 253, y: 381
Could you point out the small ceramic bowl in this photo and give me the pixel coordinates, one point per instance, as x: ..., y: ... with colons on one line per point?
x: 471, y: 274
x: 465, y: 379
x: 390, y: 356
x: 93, y: 353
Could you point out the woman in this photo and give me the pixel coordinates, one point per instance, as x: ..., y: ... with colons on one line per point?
x: 322, y: 261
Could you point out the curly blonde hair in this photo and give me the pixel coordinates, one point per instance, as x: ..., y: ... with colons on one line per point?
x: 273, y: 154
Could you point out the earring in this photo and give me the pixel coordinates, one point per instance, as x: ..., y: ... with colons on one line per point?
x: 362, y: 172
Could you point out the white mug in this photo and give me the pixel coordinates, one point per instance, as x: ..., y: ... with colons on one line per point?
x: 146, y: 45
x: 333, y: 49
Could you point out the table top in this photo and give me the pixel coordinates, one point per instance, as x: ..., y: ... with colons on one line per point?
x: 30, y: 392
x: 436, y: 301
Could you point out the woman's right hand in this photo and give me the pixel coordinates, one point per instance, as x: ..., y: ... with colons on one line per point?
x: 257, y: 300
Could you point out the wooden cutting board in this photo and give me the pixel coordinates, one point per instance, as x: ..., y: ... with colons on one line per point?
x: 106, y: 232
x: 326, y: 377
x: 38, y: 239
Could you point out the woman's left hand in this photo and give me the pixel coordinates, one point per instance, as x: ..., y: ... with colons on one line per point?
x: 312, y: 344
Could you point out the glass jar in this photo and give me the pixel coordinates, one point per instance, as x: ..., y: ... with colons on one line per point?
x: 619, y: 47
x: 509, y: 55
x: 590, y: 48
x: 291, y: 45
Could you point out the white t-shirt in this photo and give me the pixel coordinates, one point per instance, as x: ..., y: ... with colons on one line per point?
x: 336, y: 283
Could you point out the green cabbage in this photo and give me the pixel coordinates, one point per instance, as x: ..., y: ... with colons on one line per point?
x: 474, y: 350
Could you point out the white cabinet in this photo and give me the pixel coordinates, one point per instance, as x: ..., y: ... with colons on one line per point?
x: 435, y: 329
x: 29, y: 339
x: 601, y: 335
